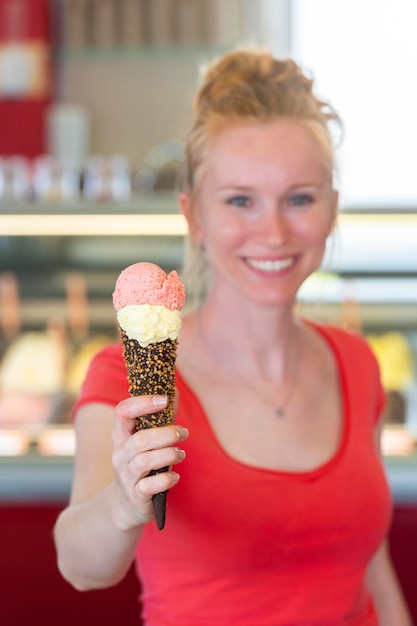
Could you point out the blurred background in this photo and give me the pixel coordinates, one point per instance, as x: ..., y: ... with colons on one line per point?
x: 94, y: 104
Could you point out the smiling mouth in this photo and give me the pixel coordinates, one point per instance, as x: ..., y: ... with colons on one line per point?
x: 268, y: 265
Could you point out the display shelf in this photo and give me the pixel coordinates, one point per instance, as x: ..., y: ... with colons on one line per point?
x: 377, y: 316
x: 34, y: 312
x: 153, y: 203
x: 148, y: 216
x: 374, y: 243
x: 143, y: 52
x: 34, y: 477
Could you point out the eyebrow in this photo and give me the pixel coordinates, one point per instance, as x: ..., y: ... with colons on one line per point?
x: 234, y: 186
x: 240, y: 187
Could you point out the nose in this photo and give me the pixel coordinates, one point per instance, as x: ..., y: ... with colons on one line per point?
x: 274, y: 226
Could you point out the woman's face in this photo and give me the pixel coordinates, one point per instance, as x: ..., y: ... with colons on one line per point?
x: 264, y: 210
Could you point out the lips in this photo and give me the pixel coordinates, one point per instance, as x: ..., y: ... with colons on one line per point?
x: 271, y: 265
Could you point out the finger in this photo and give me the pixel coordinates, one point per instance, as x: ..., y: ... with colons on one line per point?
x: 133, y: 449
x: 157, y: 483
x: 153, y: 460
x: 128, y: 410
x: 156, y: 438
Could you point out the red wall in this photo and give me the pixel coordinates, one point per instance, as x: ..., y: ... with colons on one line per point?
x: 33, y: 592
x: 22, y: 120
x: 37, y: 23
x: 403, y: 543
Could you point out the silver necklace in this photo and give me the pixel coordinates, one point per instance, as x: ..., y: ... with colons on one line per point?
x: 279, y: 409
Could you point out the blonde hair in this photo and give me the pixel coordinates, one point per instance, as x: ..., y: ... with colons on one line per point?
x: 248, y: 85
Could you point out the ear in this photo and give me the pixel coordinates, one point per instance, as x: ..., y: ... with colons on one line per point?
x: 191, y: 215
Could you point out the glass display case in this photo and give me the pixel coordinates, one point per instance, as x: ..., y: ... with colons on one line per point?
x: 59, y: 264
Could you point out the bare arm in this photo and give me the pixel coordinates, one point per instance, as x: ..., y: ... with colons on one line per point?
x: 386, y: 591
x: 111, y: 499
x: 382, y: 579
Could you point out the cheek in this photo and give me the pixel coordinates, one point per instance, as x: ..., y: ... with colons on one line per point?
x: 223, y: 233
x: 315, y: 231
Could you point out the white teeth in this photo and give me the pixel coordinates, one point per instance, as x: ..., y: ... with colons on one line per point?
x: 268, y: 265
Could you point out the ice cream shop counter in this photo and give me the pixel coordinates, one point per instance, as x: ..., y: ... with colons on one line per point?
x: 44, y: 472
x: 37, y: 466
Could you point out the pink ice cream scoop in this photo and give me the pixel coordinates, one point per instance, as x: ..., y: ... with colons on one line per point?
x: 147, y: 283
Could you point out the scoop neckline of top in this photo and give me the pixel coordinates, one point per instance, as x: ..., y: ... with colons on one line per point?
x: 315, y: 472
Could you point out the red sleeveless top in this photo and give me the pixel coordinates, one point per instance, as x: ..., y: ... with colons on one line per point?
x: 255, y: 547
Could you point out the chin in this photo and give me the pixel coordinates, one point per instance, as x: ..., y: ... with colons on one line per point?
x: 273, y: 300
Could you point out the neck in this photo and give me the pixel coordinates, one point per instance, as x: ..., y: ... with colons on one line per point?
x: 264, y: 358
x: 271, y: 338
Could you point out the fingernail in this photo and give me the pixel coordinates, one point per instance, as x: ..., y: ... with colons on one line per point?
x: 175, y: 477
x: 181, y: 453
x: 182, y: 432
x: 159, y: 400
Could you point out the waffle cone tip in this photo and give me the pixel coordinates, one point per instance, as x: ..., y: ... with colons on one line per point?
x: 159, y: 501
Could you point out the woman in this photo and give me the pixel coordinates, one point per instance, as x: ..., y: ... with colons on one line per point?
x: 283, y: 508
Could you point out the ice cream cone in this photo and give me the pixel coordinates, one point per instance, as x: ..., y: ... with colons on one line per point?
x: 151, y: 370
x: 148, y: 304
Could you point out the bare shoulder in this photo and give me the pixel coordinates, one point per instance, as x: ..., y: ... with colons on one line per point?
x: 93, y: 467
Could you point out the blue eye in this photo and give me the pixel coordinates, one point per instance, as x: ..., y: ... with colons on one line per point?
x: 301, y: 199
x: 239, y: 201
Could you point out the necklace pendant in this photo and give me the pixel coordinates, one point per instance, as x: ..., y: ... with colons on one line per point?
x: 279, y: 411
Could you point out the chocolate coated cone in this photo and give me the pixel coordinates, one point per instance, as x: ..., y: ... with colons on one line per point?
x: 151, y: 370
